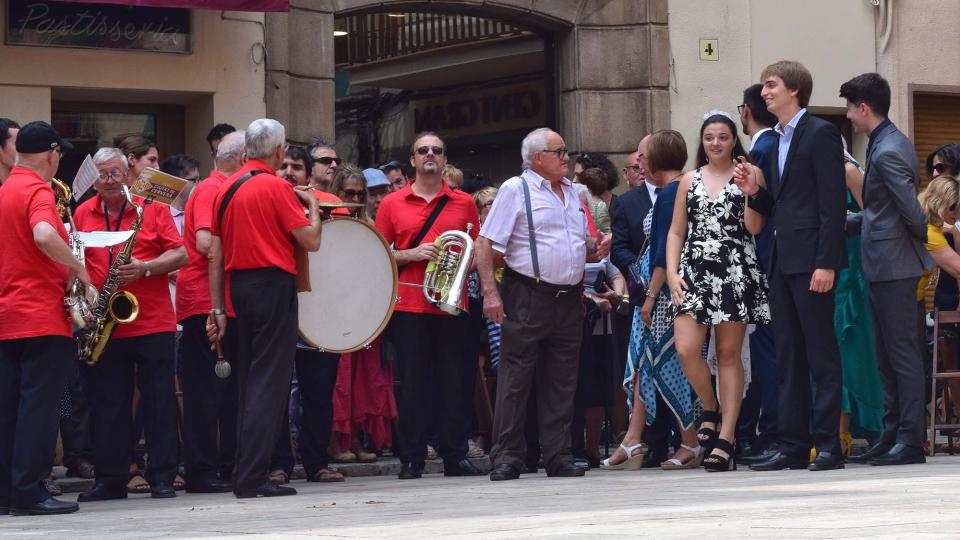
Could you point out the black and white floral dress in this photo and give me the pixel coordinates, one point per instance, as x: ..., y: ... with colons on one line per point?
x: 719, y: 260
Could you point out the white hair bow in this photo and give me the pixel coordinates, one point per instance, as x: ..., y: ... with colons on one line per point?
x: 716, y: 112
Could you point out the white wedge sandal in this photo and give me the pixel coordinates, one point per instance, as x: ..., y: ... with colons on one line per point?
x: 632, y: 463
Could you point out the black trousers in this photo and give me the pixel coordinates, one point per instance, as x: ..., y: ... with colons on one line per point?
x: 109, y: 387
x: 209, y: 403
x: 899, y: 359
x: 33, y: 372
x: 811, y: 379
x: 75, y: 429
x: 434, y: 372
x: 758, y: 412
x: 540, y: 345
x: 265, y: 300
x: 317, y: 375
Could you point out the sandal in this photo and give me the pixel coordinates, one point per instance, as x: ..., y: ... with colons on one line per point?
x: 673, y: 463
x: 279, y: 477
x: 632, y: 463
x: 52, y: 487
x: 327, y: 475
x: 178, y: 483
x: 708, y: 436
x: 717, y: 463
x: 344, y: 457
x: 138, y: 484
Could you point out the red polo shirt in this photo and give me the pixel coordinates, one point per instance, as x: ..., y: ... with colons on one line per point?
x: 157, y: 235
x: 401, y: 216
x: 323, y: 196
x: 259, y: 221
x: 193, y: 284
x: 32, y: 285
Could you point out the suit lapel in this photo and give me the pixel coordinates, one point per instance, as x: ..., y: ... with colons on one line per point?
x: 873, y: 147
x: 794, y: 144
x: 774, y: 182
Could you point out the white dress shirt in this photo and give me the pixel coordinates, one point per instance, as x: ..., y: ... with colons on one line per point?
x: 560, y: 228
x: 786, y: 136
x: 652, y: 190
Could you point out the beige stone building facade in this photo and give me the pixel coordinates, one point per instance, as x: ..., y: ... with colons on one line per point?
x: 602, y: 72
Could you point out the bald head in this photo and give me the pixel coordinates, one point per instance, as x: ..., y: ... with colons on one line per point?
x: 642, y: 159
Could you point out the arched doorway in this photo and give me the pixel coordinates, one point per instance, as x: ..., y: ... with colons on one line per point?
x: 606, y: 61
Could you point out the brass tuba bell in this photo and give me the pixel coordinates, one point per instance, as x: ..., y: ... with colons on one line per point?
x: 446, y: 277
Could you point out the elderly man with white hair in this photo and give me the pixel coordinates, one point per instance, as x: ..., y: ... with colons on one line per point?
x: 539, y: 226
x: 258, y: 222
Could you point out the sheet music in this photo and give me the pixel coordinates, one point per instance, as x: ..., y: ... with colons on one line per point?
x: 104, y: 238
x: 85, y: 178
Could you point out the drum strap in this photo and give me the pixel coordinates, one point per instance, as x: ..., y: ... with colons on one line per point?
x: 230, y: 193
x: 441, y: 202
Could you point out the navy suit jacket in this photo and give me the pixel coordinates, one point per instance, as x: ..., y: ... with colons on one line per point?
x: 761, y: 155
x: 626, y: 223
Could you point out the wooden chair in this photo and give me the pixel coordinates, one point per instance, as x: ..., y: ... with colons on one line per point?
x: 939, y: 348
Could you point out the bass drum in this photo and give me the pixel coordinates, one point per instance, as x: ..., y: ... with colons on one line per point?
x: 354, y: 281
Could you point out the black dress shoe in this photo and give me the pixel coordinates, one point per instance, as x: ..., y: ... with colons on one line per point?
x: 504, y: 471
x: 464, y: 467
x: 900, y: 454
x: 266, y: 489
x: 47, y: 507
x: 779, y: 462
x: 758, y: 456
x: 876, y: 450
x: 162, y: 490
x: 103, y: 492
x: 567, y: 470
x: 213, y: 485
x: 410, y: 471
x: 747, y: 447
x: 531, y: 468
x: 826, y: 461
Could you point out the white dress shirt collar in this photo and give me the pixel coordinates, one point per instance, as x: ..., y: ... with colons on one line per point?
x: 753, y: 139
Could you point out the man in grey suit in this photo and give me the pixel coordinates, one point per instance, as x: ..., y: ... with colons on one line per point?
x: 893, y: 229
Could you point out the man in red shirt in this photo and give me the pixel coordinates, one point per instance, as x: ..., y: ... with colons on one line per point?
x: 257, y: 221
x: 36, y: 350
x: 141, y: 348
x: 431, y: 344
x: 209, y: 402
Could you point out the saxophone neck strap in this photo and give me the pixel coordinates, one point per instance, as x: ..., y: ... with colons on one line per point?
x: 441, y: 202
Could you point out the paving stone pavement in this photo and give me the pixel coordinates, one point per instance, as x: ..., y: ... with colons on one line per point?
x: 919, y: 501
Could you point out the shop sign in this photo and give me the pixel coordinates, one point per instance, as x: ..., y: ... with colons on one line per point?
x: 98, y: 26
x: 484, y: 111
x: 230, y: 5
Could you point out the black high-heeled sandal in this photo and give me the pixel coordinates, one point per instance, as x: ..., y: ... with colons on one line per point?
x: 711, y: 435
x: 715, y: 463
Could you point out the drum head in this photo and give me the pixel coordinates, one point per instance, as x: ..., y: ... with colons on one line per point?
x: 354, y: 282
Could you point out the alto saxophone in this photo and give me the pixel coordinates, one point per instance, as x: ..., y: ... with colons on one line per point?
x: 77, y: 300
x: 113, y: 307
x: 445, y: 278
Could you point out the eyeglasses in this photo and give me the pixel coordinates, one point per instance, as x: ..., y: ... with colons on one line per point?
x: 941, y: 168
x: 112, y: 175
x: 353, y: 194
x: 634, y: 168
x: 192, y: 179
x: 437, y: 150
x: 740, y: 108
x: 327, y: 160
x: 560, y: 152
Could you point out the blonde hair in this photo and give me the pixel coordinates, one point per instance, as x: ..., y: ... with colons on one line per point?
x: 453, y: 175
x: 942, y: 193
x: 479, y: 195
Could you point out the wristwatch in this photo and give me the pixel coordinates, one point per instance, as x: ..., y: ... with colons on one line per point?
x: 147, y: 273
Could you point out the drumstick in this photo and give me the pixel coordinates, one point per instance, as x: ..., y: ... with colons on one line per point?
x: 222, y: 368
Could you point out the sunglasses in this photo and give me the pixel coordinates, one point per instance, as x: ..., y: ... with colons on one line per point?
x: 326, y: 160
x: 353, y: 194
x: 635, y: 168
x: 941, y: 168
x: 437, y: 151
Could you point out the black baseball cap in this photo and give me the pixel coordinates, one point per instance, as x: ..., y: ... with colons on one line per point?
x: 39, y: 137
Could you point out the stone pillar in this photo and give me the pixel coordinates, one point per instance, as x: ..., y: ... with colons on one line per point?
x: 300, y: 64
x: 613, y: 75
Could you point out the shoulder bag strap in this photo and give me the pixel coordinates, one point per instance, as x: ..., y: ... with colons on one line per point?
x: 429, y: 222
x: 230, y: 193
x: 530, y: 229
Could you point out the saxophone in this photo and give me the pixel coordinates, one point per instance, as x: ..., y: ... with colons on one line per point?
x: 77, y: 300
x: 113, y: 307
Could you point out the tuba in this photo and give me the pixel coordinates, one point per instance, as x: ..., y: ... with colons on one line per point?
x: 113, y: 307
x: 77, y: 300
x: 446, y: 277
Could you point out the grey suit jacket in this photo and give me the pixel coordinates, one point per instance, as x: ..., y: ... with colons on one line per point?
x: 892, y: 225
